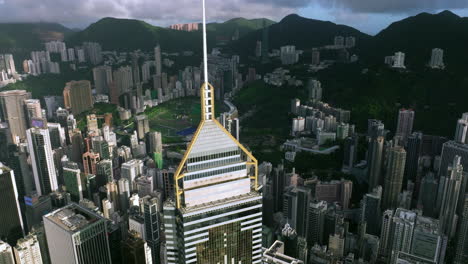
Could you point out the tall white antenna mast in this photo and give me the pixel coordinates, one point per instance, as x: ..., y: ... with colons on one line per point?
x: 205, y: 49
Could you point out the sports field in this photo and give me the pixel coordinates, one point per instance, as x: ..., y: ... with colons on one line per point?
x: 175, y: 115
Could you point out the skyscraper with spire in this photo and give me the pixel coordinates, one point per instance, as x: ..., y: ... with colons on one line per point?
x: 216, y: 216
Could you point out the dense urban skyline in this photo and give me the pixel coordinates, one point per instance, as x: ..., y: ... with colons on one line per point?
x: 301, y: 142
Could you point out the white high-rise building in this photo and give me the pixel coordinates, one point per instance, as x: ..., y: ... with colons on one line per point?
x: 71, y: 54
x: 64, y: 55
x: 80, y: 53
x: 40, y: 148
x: 145, y: 71
x: 399, y: 60
x: 289, y: 55
x: 7, y: 64
x: 55, y: 46
x: 131, y: 170
x: 6, y: 253
x: 437, y: 59
x: 28, y: 251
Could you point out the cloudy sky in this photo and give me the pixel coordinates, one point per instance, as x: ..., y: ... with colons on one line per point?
x: 369, y: 16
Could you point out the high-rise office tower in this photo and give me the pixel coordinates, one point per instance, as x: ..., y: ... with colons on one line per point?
x: 152, y: 225
x: 77, y: 96
x: 405, y: 124
x: 427, y: 241
x: 90, y: 159
x: 155, y: 142
x: 316, y: 212
x: 394, y: 177
x: 131, y: 170
x: 104, y: 172
x: 135, y: 68
x: 402, y: 228
x: 6, y: 253
x: 142, y: 125
x: 12, y: 111
x: 77, y: 235
x: 102, y: 78
x: 461, y: 133
x: 124, y: 194
x: 375, y: 128
x: 57, y: 135
x: 36, y: 207
x: 437, y: 59
x: 449, y: 192
x: 374, y: 161
x: 157, y: 60
x: 461, y: 252
x: 426, y: 197
x: 101, y: 146
x: 40, y: 147
x: 11, y: 227
x: 350, y: 152
x: 72, y: 179
x: 413, y: 152
x: 295, y: 209
x: 385, y: 234
x: 28, y: 251
x: 450, y: 150
x: 371, y: 210
x: 135, y: 250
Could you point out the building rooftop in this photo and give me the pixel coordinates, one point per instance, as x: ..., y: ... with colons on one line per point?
x: 73, y: 218
x: 13, y: 92
x: 275, y: 254
x: 4, y: 168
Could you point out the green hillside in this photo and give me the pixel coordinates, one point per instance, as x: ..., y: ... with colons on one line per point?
x: 418, y: 35
x: 302, y: 32
x: 130, y: 34
x: 18, y: 37
x: 244, y: 26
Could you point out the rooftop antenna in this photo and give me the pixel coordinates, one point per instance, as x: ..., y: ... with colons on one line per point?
x: 205, y: 49
x: 207, y: 90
